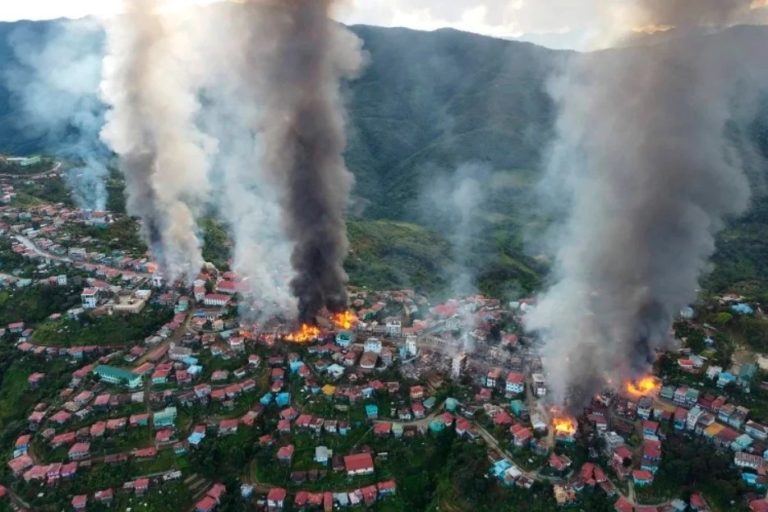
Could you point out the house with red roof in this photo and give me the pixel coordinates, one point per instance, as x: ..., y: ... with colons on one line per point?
x: 35, y: 379
x: 619, y: 459
x: 285, y: 453
x: 276, y: 499
x: 61, y: 417
x: 102, y: 401
x: 358, y: 464
x: 227, y: 427
x: 370, y: 493
x: 98, y: 429
x: 104, y: 496
x: 206, y: 504
x: 417, y: 392
x: 80, y: 501
x: 164, y: 437
x: 521, y: 436
x: 622, y: 505
x: 226, y: 287
x: 559, y: 463
x: 382, y: 429
x: 68, y: 470
x: 697, y: 503
x: 139, y: 420
x: 387, y: 488
x: 216, y: 491
x: 63, y: 439
x: 493, y: 377
x: 80, y: 451
x: 22, y: 444
x: 502, y: 418
x: 141, y: 485
x: 515, y: 383
x: 284, y: 426
x: 642, y: 477
x: 462, y: 424
x: 145, y: 453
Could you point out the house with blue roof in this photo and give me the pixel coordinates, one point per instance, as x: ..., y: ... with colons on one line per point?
x: 500, y: 467
x: 189, y: 360
x: 195, y: 438
x: 725, y: 378
x: 741, y: 443
x: 283, y: 399
x: 437, y: 425
x: 753, y: 480
x: 372, y: 411
x: 742, y: 309
x: 747, y: 373
x: 266, y: 399
x: 345, y: 338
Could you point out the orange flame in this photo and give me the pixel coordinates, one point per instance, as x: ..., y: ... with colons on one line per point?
x: 648, y: 385
x: 344, y: 320
x: 564, y: 426
x: 306, y: 334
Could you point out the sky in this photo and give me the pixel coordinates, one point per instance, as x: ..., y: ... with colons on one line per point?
x: 577, y: 24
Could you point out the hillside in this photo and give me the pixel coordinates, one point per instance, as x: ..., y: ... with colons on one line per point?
x: 428, y: 104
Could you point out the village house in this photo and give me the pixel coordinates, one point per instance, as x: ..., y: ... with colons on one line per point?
x: 515, y: 383
x: 358, y: 464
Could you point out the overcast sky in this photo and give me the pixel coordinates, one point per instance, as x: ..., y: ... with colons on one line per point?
x: 578, y: 24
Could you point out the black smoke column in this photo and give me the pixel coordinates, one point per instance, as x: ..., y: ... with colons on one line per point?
x: 303, y: 144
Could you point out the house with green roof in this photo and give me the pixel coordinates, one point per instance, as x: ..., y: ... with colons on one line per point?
x: 119, y: 376
x: 165, y: 418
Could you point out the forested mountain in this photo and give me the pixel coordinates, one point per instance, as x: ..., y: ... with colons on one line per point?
x: 427, y: 105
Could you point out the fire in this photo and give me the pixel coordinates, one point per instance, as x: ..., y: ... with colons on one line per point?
x: 648, y: 385
x: 564, y: 426
x: 344, y: 320
x: 305, y: 334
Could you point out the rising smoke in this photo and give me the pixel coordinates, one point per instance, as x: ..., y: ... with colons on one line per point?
x: 150, y: 82
x: 648, y: 178
x: 54, y: 88
x: 245, y: 194
x: 454, y: 205
x: 302, y: 141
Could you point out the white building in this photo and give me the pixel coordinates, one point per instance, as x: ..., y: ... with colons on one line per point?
x: 216, y: 299
x: 89, y: 298
x: 373, y: 345
x: 410, y: 345
x: 457, y: 365
x: 157, y: 280
x: 539, y: 384
x: 394, y: 327
x: 693, y: 417
x: 61, y: 279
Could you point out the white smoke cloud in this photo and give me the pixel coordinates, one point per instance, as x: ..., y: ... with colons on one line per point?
x: 151, y: 83
x: 54, y: 89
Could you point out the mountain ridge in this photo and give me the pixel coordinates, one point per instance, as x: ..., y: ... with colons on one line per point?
x: 431, y: 102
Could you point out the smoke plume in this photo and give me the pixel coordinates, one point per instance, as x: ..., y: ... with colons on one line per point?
x: 454, y: 205
x: 150, y: 82
x: 245, y: 195
x: 54, y: 87
x: 646, y: 178
x: 302, y: 141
